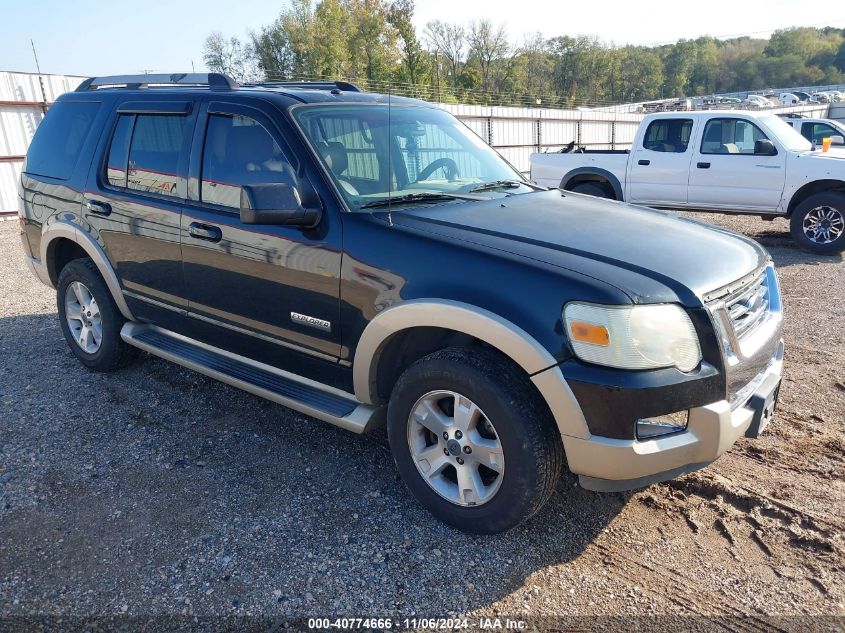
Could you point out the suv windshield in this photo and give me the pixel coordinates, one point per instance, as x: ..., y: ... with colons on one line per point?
x: 380, y: 152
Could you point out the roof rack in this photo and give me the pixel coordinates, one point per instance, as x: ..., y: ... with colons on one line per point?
x: 310, y: 85
x: 215, y: 81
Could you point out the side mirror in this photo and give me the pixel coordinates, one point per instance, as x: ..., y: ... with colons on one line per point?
x: 764, y: 147
x: 276, y: 203
x: 836, y: 139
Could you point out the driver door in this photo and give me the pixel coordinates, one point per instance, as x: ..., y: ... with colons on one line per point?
x: 725, y: 173
x: 249, y: 286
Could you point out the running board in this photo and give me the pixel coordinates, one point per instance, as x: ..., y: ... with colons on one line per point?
x: 306, y: 396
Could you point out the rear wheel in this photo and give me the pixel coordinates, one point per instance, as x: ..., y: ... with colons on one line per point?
x: 597, y: 189
x: 472, y: 440
x: 818, y: 223
x: 90, y: 319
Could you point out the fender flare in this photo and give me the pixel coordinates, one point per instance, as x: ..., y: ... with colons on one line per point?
x: 596, y: 171
x: 68, y: 230
x: 479, y: 323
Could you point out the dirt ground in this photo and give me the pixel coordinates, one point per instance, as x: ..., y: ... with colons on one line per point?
x: 157, y: 492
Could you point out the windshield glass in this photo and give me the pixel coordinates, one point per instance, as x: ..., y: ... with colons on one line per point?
x: 786, y: 134
x: 374, y: 152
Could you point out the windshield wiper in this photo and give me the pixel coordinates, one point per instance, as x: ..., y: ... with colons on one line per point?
x: 417, y: 197
x: 505, y: 184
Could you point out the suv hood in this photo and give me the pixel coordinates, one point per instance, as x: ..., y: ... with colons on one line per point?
x: 652, y: 256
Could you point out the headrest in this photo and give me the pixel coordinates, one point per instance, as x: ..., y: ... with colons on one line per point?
x: 334, y: 154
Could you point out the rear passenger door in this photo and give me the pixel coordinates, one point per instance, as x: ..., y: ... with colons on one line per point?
x: 134, y: 200
x: 245, y: 282
x: 660, y: 165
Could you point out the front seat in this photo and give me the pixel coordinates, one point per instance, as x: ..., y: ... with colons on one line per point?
x: 337, y: 160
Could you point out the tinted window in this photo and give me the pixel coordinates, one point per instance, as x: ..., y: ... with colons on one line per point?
x: 119, y: 151
x: 238, y: 151
x: 668, y: 135
x: 154, y: 153
x: 58, y: 140
x: 818, y: 132
x: 730, y: 136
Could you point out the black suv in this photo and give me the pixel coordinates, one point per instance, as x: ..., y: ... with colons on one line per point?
x: 366, y: 259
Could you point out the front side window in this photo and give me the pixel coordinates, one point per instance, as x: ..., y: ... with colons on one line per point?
x: 58, y: 141
x: 730, y: 136
x: 154, y: 153
x: 238, y: 151
x: 668, y: 135
x: 376, y: 152
x: 817, y: 132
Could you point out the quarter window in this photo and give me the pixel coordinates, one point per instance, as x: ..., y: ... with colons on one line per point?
x: 58, y: 141
x: 668, y: 135
x: 154, y: 153
x: 730, y: 136
x: 238, y: 151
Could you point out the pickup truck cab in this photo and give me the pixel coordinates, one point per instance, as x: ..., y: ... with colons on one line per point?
x: 729, y: 162
x: 368, y: 260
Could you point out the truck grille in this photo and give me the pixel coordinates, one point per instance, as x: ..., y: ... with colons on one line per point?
x: 748, y: 307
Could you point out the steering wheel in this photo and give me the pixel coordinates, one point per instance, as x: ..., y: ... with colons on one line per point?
x: 448, y: 165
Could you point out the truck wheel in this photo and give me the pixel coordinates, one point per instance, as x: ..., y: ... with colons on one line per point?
x: 472, y: 440
x: 89, y: 318
x: 818, y: 223
x: 596, y: 189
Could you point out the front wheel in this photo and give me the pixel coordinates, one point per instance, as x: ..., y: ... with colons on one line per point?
x: 818, y: 223
x: 472, y: 440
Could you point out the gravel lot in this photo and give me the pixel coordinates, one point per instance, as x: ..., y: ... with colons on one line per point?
x: 156, y: 491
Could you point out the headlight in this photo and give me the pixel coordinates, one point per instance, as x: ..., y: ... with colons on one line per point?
x: 633, y: 337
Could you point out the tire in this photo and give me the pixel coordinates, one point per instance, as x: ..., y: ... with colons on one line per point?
x: 531, y: 451
x: 826, y: 211
x: 596, y: 189
x: 78, y: 280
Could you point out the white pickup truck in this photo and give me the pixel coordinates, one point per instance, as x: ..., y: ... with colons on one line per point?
x: 728, y: 162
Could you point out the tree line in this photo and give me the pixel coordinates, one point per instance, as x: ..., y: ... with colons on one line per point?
x: 375, y: 43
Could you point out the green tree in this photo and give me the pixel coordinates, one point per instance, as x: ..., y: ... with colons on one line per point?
x: 414, y: 58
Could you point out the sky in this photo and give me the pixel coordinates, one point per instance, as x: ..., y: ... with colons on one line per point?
x: 94, y: 37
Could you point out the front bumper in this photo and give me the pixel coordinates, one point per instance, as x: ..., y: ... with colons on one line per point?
x: 609, y: 464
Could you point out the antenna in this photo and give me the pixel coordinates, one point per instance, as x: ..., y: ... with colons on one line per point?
x: 40, y: 79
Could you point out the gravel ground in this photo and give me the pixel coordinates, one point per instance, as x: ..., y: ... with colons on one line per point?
x: 156, y: 491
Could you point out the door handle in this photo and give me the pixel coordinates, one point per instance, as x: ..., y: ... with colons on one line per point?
x: 643, y: 162
x: 205, y: 232
x: 98, y: 207
x: 703, y: 165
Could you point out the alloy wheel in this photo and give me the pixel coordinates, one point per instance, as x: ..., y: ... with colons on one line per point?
x: 83, y: 317
x: 824, y: 225
x: 455, y: 448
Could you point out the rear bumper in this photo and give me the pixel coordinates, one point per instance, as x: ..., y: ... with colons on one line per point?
x: 609, y: 464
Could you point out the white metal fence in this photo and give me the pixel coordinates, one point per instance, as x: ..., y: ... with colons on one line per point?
x: 515, y: 132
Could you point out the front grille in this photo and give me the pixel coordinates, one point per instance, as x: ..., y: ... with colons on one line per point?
x: 748, y: 307
x: 747, y: 315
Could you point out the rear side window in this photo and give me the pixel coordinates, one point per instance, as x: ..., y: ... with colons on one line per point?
x: 58, y: 141
x: 668, y: 135
x: 154, y: 153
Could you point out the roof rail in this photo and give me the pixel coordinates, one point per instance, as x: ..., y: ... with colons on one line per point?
x: 215, y: 81
x: 312, y: 85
